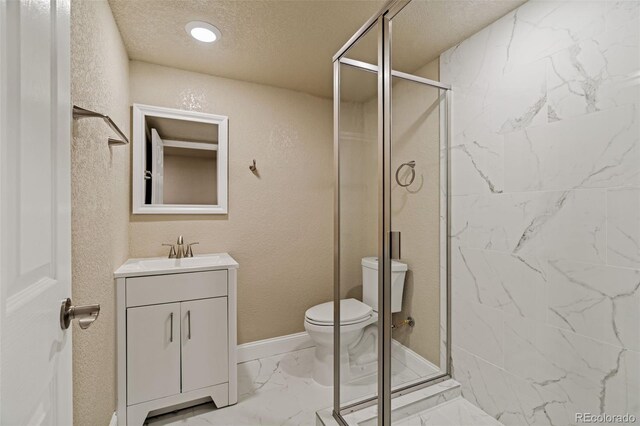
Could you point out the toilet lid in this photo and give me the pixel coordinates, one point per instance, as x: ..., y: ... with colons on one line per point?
x: 351, y: 311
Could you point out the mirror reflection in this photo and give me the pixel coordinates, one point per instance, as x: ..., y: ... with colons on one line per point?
x: 180, y: 161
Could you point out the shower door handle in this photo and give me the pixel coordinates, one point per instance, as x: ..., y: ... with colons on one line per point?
x: 395, y: 244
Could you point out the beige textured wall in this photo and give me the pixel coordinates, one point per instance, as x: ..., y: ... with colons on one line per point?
x: 279, y: 226
x: 358, y: 191
x: 190, y: 180
x: 100, y: 202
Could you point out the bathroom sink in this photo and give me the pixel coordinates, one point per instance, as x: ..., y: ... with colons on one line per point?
x: 179, y: 263
x: 163, y: 265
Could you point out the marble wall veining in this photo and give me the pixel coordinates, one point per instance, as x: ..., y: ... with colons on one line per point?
x: 545, y: 160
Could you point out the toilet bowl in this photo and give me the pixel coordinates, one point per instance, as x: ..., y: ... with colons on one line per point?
x: 358, y: 329
x: 355, y: 316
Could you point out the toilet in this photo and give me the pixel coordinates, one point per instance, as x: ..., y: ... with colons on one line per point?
x: 358, y: 330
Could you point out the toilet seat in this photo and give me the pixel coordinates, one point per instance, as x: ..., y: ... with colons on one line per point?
x: 352, y: 312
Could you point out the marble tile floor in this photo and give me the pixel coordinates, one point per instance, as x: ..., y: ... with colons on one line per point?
x: 278, y: 390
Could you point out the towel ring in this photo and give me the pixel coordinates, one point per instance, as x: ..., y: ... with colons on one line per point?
x: 412, y: 165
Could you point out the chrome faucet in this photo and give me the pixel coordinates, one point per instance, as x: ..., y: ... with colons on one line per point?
x: 178, y: 250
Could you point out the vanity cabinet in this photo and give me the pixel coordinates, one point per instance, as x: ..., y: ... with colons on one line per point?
x: 176, y: 335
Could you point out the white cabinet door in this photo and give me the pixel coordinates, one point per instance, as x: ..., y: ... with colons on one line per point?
x: 204, y: 343
x: 35, y: 214
x: 153, y: 352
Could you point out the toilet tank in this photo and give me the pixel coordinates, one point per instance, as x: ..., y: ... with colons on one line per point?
x: 370, y: 283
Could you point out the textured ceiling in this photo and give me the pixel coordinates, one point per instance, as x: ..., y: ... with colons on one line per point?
x: 290, y: 43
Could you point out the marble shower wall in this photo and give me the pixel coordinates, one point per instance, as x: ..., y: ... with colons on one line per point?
x: 546, y: 212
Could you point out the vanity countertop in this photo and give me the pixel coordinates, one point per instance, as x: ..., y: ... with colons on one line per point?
x: 163, y: 265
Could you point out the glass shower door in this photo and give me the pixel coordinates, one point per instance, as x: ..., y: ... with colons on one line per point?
x: 418, y: 184
x: 418, y: 219
x: 356, y: 150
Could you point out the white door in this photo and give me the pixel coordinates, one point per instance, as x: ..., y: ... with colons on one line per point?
x: 153, y: 352
x: 157, y: 174
x: 204, y: 343
x: 35, y: 216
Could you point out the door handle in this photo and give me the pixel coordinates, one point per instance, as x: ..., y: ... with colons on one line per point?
x: 189, y: 325
x: 85, y: 314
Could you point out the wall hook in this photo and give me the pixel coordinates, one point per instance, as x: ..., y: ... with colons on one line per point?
x: 253, y: 167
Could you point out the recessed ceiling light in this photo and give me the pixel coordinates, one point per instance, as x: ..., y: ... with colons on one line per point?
x: 202, y: 31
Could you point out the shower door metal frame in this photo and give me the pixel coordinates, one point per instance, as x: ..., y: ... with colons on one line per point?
x: 382, y: 21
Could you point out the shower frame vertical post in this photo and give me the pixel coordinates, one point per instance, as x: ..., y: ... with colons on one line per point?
x: 384, y: 221
x: 336, y: 241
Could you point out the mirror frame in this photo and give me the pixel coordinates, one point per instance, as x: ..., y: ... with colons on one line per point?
x: 140, y: 112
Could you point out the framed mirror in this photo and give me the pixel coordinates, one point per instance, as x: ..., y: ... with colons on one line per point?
x: 179, y: 161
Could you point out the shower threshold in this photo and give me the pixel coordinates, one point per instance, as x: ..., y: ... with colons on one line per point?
x: 438, y: 405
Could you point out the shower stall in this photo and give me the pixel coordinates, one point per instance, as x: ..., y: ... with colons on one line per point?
x: 391, y: 136
x: 501, y: 164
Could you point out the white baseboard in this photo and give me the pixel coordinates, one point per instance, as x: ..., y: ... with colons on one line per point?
x: 293, y: 342
x: 114, y: 420
x: 274, y: 346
